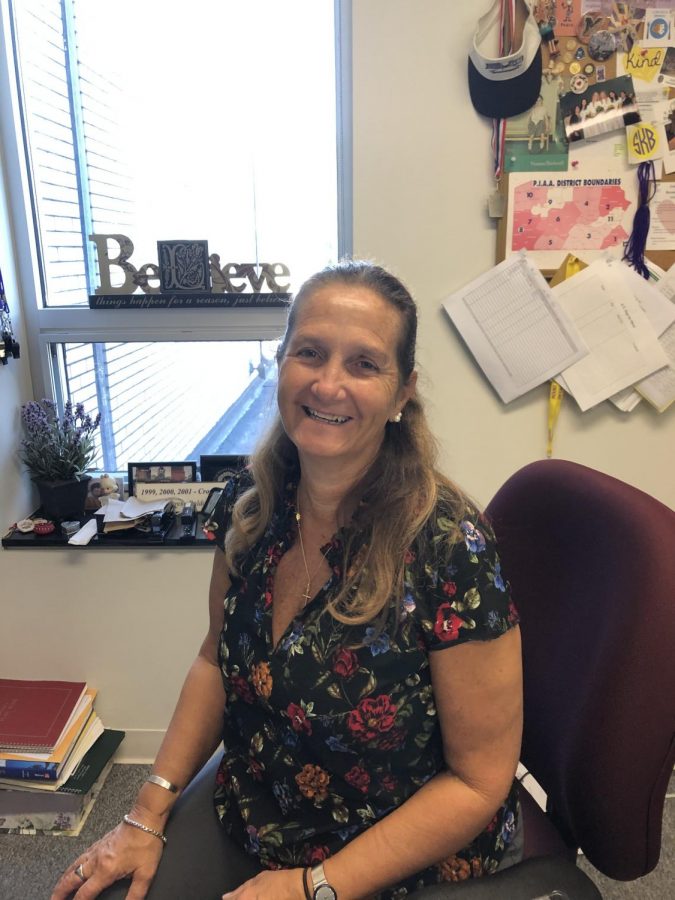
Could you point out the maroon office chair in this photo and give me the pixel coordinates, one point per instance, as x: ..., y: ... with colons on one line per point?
x: 591, y: 562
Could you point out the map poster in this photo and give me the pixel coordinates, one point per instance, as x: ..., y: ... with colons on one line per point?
x: 586, y: 213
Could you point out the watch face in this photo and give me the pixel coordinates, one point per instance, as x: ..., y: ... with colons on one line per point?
x: 325, y: 892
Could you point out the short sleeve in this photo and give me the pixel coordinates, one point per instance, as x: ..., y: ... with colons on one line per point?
x: 221, y: 517
x: 462, y: 593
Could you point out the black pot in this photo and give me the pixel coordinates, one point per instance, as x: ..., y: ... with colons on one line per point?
x: 63, y: 499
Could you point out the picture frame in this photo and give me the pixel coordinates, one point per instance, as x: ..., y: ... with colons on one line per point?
x: 220, y: 467
x: 607, y: 105
x: 178, y: 472
x: 100, y: 489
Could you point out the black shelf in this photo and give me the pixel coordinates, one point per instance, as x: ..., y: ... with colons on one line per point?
x: 175, y: 537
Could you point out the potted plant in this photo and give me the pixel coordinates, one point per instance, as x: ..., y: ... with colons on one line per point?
x: 57, y: 451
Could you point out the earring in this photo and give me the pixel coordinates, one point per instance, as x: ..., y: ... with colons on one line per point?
x: 397, y: 418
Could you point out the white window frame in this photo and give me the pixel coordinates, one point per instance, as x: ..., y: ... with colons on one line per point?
x: 46, y: 326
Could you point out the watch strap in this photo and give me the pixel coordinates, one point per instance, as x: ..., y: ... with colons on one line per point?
x: 319, y: 881
x: 306, y: 876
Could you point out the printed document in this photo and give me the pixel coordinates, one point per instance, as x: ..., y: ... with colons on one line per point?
x: 624, y: 347
x: 659, y: 388
x: 514, y: 327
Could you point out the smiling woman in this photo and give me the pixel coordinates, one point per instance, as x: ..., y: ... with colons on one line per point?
x: 360, y: 758
x: 339, y: 382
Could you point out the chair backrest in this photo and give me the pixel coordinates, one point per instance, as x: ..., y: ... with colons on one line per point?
x: 591, y: 562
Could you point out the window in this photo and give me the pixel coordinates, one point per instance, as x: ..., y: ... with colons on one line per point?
x: 160, y: 121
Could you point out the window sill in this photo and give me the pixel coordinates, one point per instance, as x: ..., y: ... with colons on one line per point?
x: 174, y: 538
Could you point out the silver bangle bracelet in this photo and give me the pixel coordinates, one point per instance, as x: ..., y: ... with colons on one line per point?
x: 162, y: 782
x: 129, y: 821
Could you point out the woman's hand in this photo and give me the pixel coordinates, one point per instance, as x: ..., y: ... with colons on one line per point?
x: 125, y: 852
x: 282, y: 884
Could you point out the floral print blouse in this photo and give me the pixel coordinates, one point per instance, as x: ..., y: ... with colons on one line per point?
x: 336, y: 726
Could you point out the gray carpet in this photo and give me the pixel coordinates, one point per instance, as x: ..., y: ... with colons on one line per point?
x: 29, y: 866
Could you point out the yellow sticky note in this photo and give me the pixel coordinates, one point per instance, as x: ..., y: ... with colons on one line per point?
x: 645, y: 62
x: 644, y: 142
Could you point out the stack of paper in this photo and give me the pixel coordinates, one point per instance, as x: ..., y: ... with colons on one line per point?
x: 604, y: 333
x: 659, y: 388
x: 46, y: 727
x: 60, y: 808
x: 119, y: 515
x: 619, y: 316
x: 513, y: 325
x: 51, y: 743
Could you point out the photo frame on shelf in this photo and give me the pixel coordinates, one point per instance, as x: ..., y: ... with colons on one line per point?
x: 180, y: 472
x: 220, y: 467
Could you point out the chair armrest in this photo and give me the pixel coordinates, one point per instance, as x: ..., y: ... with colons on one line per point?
x: 527, y: 880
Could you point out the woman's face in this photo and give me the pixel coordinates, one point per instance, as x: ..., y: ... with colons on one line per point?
x: 339, y: 381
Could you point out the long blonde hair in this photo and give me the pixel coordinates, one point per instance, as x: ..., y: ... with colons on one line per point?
x: 400, y: 490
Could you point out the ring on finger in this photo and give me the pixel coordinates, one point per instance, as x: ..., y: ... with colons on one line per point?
x: 79, y: 871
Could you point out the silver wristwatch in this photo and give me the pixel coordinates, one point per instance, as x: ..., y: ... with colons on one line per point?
x: 321, y: 889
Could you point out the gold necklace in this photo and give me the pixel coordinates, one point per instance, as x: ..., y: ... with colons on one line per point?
x: 307, y: 596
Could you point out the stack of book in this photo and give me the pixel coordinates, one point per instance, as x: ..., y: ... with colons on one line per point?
x: 55, y: 755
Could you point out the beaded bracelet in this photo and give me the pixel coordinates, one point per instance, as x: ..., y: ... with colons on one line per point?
x: 129, y: 821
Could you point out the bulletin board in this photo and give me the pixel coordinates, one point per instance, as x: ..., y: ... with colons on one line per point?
x: 579, y: 196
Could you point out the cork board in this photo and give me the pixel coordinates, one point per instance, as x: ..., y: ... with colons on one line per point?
x: 573, y: 60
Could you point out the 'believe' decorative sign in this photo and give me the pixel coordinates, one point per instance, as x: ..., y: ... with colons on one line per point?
x: 187, y: 277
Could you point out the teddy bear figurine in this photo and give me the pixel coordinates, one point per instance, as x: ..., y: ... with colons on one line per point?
x: 109, y: 489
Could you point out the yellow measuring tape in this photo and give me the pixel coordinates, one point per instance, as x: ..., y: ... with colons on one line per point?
x: 570, y: 266
x: 555, y: 396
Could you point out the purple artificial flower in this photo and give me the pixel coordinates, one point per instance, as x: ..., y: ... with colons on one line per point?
x: 57, y: 449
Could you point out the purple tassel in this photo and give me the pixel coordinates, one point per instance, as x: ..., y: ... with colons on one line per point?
x: 634, y: 252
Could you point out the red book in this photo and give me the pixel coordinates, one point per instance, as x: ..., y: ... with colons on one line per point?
x: 33, y: 714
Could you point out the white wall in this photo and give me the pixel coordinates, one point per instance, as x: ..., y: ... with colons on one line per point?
x: 15, y: 386
x: 422, y: 173
x: 129, y: 621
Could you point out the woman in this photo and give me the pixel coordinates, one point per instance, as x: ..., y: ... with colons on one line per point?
x: 593, y: 107
x: 360, y: 760
x: 574, y: 130
x: 536, y: 124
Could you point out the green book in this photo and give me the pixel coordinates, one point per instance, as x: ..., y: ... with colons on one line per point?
x: 84, y: 776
